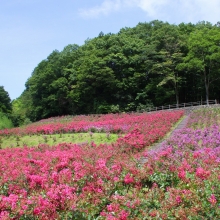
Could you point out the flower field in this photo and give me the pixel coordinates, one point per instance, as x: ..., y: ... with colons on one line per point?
x: 109, y: 181
x: 113, y: 123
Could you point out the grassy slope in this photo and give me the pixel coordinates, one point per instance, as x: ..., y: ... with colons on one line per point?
x: 54, y: 139
x: 34, y: 140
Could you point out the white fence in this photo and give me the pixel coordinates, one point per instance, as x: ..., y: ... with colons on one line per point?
x: 182, y: 105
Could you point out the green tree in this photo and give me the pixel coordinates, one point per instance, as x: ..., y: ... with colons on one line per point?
x: 92, y: 81
x: 169, y: 43
x: 124, y: 58
x: 204, y: 54
x: 5, y: 121
x: 152, y: 63
x: 5, y: 101
x: 22, y: 109
x: 48, y: 86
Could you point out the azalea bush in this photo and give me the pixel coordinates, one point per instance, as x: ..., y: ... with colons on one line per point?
x: 179, y: 180
x: 113, y: 123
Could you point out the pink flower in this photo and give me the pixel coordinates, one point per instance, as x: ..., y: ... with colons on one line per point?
x: 145, y: 154
x: 185, y: 165
x: 36, y: 211
x: 123, y: 215
x: 182, y: 174
x: 99, y: 190
x: 153, y: 213
x: 4, y: 215
x: 12, y: 200
x: 212, y: 199
x: 101, y: 163
x: 113, y: 207
x: 196, y: 154
x: 116, y: 179
x: 116, y: 168
x: 128, y: 179
x: 100, y: 182
x: 24, y: 207
x: 202, y: 174
x: 178, y: 199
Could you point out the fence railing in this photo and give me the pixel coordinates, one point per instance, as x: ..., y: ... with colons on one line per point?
x: 181, y: 105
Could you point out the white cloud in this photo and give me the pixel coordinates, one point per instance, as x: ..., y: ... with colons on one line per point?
x: 108, y: 6
x: 152, y: 7
x: 181, y: 10
x: 104, y: 9
x: 169, y: 10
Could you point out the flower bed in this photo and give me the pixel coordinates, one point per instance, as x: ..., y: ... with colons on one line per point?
x: 114, y: 123
x: 179, y: 181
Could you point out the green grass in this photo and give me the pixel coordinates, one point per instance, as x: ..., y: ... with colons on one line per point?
x: 34, y: 140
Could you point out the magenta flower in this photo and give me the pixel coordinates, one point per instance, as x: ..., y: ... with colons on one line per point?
x: 101, y: 163
x: 4, y: 215
x: 182, y: 174
x: 124, y: 215
x: 116, y: 179
x: 202, y: 174
x: 212, y: 199
x: 113, y: 207
x: 36, y: 211
x: 178, y: 199
x: 128, y: 179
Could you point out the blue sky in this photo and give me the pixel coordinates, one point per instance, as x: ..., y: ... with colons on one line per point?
x: 31, y: 29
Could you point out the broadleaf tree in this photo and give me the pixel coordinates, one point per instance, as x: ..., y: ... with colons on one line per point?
x: 204, y: 55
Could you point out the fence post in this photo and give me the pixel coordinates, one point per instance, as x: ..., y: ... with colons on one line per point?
x: 207, y: 102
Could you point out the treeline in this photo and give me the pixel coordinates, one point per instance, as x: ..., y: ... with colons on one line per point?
x: 11, y: 114
x: 5, y: 109
x: 152, y: 64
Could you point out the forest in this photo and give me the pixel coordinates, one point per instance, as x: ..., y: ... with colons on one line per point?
x: 152, y: 64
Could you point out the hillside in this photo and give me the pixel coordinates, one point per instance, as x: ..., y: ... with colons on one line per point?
x: 179, y: 180
x: 152, y: 64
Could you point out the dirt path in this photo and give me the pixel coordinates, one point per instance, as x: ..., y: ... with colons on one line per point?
x: 157, y: 146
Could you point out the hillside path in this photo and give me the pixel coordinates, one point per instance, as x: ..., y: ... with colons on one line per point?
x: 158, y: 145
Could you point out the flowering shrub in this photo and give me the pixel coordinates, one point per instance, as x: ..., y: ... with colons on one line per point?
x: 114, y: 123
x: 180, y: 180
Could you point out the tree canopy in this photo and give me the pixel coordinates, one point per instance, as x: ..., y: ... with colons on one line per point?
x: 153, y: 63
x: 5, y: 101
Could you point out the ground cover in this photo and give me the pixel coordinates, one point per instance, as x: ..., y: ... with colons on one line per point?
x: 108, y: 181
x: 53, y: 139
x: 112, y: 123
x: 186, y: 170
